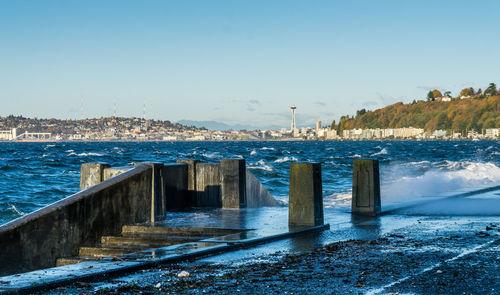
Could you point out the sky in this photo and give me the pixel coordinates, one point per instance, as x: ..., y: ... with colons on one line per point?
x: 239, y: 62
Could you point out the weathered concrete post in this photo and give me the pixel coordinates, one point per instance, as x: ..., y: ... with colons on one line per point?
x: 365, y: 187
x: 233, y: 183
x: 175, y: 179
x: 191, y: 181
x: 92, y: 174
x: 305, y: 206
x: 208, y: 188
x: 114, y: 171
x: 158, y: 206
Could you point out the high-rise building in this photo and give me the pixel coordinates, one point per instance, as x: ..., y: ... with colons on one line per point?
x: 318, y: 126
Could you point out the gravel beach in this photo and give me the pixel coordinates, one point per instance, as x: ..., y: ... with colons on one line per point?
x: 433, y: 256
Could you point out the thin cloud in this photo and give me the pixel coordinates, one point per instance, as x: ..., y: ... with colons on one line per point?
x: 320, y: 103
x: 386, y: 100
x: 429, y: 88
x: 280, y: 114
x: 370, y: 103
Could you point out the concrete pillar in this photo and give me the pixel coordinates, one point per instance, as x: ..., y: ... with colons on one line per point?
x: 191, y: 164
x: 365, y: 187
x: 233, y: 183
x: 175, y: 179
x: 305, y: 206
x: 158, y: 206
x: 208, y: 188
x: 115, y: 171
x: 92, y: 174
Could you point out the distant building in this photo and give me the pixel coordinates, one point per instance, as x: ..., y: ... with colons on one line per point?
x: 8, y: 134
x: 378, y: 133
x: 492, y: 133
x: 318, y: 126
x: 331, y: 134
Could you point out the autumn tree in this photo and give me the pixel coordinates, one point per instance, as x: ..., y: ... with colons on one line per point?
x: 436, y: 93
x: 459, y: 115
x: 467, y: 92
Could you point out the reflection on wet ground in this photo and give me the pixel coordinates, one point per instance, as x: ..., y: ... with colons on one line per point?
x: 420, y: 229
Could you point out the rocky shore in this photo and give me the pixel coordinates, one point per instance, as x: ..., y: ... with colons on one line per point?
x: 435, y: 256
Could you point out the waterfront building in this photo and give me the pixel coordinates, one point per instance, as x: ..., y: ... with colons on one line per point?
x: 8, y: 134
x: 492, y: 133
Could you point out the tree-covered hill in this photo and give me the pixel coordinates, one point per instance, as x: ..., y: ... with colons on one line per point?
x: 458, y: 115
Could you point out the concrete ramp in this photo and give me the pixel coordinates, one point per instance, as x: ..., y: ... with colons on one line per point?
x: 257, y: 195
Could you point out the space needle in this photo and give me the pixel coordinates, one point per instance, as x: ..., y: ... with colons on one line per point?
x: 293, y: 108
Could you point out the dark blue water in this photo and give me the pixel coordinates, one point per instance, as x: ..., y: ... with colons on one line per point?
x: 33, y: 175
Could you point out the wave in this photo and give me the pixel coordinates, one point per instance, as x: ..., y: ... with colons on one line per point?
x: 86, y: 154
x: 261, y: 164
x: 382, y: 152
x: 338, y: 200
x: 14, y: 209
x: 253, y: 152
x: 212, y: 155
x: 267, y: 148
x: 285, y: 159
x: 447, y: 178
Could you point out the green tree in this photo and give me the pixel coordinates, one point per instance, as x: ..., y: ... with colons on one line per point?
x: 430, y: 96
x: 491, y: 90
x: 360, y: 112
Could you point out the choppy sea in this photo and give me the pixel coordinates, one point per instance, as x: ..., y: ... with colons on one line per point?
x: 33, y: 175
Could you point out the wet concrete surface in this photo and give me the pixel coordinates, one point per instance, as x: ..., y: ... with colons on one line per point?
x: 412, y: 252
x: 391, y: 254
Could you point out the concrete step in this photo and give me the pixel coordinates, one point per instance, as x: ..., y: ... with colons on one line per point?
x: 131, y: 230
x: 145, y: 241
x: 96, y: 252
x: 68, y: 261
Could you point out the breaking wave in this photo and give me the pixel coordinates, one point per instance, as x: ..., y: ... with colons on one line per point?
x: 286, y: 159
x: 382, y: 152
x: 440, y: 179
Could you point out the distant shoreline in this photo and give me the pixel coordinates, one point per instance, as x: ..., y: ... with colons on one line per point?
x: 270, y: 140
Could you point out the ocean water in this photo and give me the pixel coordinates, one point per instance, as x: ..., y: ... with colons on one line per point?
x: 33, y: 175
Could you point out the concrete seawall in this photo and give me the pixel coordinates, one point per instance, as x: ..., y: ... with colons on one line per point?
x: 114, y: 197
x: 36, y: 240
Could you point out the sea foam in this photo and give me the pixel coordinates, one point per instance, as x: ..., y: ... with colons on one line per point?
x: 448, y: 177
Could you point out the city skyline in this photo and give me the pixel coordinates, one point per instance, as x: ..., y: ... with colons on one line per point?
x: 238, y: 63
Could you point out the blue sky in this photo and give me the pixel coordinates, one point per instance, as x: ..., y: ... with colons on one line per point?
x: 239, y: 62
